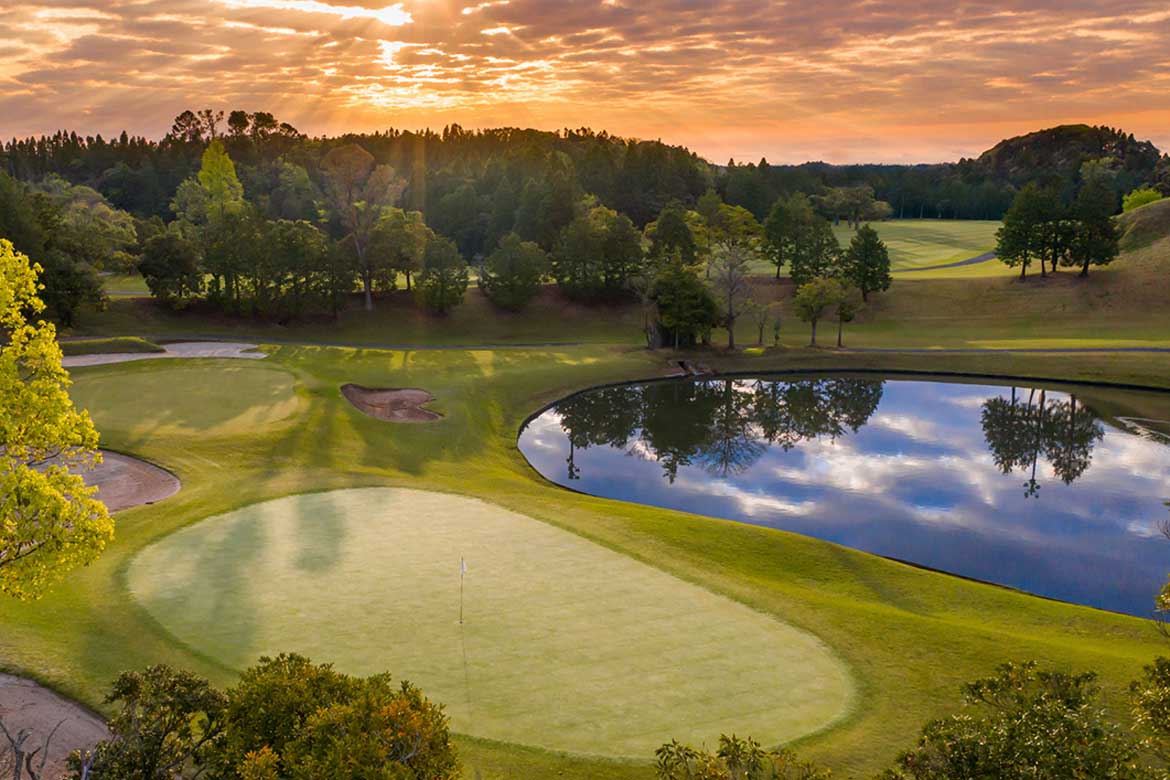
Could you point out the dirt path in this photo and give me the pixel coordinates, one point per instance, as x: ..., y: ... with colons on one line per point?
x: 26, y: 705
x: 183, y: 349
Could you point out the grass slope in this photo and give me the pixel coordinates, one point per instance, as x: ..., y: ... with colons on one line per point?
x: 369, y: 579
x: 109, y: 346
x: 909, y: 637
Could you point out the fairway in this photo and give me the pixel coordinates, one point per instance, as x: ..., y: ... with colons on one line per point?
x: 565, y: 644
x: 921, y: 243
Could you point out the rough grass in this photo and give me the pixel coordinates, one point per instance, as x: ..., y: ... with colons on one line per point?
x: 909, y: 637
x: 1145, y: 226
x: 109, y: 346
x: 369, y: 579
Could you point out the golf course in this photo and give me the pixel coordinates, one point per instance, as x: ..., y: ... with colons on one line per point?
x: 576, y: 505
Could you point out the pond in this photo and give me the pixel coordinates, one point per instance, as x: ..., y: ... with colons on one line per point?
x: 1057, y: 491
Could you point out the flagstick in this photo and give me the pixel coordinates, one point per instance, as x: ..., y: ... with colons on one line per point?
x: 462, y: 571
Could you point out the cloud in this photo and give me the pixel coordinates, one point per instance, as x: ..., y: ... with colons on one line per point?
x: 841, y: 79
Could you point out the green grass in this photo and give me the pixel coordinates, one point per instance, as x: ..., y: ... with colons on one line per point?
x: 119, y: 285
x: 109, y: 346
x: 908, y: 637
x: 370, y: 580
x: 1146, y: 225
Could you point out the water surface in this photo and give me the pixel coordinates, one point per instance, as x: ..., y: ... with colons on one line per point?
x: 1056, y: 492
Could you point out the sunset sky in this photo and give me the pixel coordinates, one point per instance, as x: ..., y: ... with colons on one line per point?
x: 838, y: 80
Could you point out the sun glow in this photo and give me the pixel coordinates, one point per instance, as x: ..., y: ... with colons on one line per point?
x: 392, y: 15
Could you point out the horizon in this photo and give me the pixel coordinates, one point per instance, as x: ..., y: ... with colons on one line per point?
x: 855, y: 83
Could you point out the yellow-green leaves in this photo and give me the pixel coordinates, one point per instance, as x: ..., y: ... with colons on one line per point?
x: 50, y: 521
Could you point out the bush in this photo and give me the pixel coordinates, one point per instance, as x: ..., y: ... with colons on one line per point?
x: 1140, y: 197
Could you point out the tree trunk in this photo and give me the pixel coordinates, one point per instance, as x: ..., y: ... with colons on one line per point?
x: 840, y: 330
x: 730, y: 333
x: 1085, y: 269
x: 408, y: 281
x: 1023, y: 270
x: 813, y: 343
x: 367, y: 288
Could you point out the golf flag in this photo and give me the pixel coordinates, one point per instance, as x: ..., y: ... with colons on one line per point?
x: 462, y: 566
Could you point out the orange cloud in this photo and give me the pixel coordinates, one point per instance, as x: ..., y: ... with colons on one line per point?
x: 842, y: 80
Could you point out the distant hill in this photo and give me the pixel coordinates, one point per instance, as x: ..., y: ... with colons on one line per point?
x: 1056, y: 155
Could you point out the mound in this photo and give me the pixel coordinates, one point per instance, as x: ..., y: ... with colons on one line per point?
x: 1143, y: 226
x: 564, y: 644
x: 26, y: 705
x: 391, y: 404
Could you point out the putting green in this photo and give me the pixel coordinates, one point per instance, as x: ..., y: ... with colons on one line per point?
x: 565, y: 644
x: 208, y: 398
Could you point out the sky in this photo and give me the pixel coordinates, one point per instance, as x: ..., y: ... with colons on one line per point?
x: 835, y: 80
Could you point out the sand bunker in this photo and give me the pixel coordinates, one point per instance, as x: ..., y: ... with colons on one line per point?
x: 26, y: 705
x: 391, y: 404
x: 182, y: 349
x: 124, y: 482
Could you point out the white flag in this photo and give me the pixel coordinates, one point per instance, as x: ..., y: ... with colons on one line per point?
x: 462, y: 567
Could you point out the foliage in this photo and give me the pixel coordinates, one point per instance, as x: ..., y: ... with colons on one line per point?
x: 397, y: 246
x: 1095, y: 237
x: 867, y: 262
x: 597, y: 255
x: 50, y: 520
x: 168, y: 727
x: 444, y: 276
x: 787, y: 228
x: 1024, y: 724
x: 735, y: 759
x: 514, y: 273
x: 170, y: 266
x: 1151, y: 694
x: 848, y: 307
x: 671, y: 236
x: 815, y: 253
x: 1140, y: 197
x: 815, y: 298
x: 1016, y: 241
x: 687, y: 310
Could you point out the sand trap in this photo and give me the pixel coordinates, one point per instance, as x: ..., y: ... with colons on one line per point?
x: 391, y: 404
x: 27, y: 705
x: 182, y: 349
x: 124, y: 482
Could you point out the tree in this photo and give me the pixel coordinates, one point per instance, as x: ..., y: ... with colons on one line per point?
x: 734, y: 759
x: 1024, y: 724
x: 168, y: 727
x: 170, y: 266
x: 671, y: 236
x: 686, y: 307
x: 358, y: 191
x: 217, y: 177
x: 514, y: 273
x: 787, y: 224
x: 443, y: 279
x: 597, y: 255
x: 729, y: 279
x: 814, y: 299
x: 1019, y: 240
x: 867, y: 262
x: 847, y: 310
x: 760, y: 314
x: 1095, y: 239
x: 51, y: 521
x: 815, y: 253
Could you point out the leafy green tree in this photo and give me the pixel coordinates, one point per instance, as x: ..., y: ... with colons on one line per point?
x: 786, y: 227
x: 51, y: 521
x: 88, y: 229
x: 867, y: 262
x: 168, y: 726
x: 397, y: 245
x: 1095, y: 240
x: 597, y: 255
x: 1024, y: 724
x: 359, y: 190
x: 444, y: 276
x: 170, y: 266
x: 816, y: 253
x: 671, y: 236
x: 513, y: 274
x: 270, y: 705
x: 1020, y: 239
x: 734, y: 759
x: 1140, y: 197
x: 217, y: 176
x: 686, y: 307
x: 815, y: 299
x: 381, y: 733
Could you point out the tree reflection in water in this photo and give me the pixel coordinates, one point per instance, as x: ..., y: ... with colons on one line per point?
x: 723, y: 426
x: 1018, y: 433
